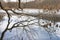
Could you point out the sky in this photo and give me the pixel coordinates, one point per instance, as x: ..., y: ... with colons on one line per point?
x: 21, y: 0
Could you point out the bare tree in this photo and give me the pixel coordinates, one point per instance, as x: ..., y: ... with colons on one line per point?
x: 2, y: 35
x: 19, y: 3
x: 17, y: 24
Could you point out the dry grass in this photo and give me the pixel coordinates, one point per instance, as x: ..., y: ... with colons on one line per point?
x: 1, y: 16
x: 47, y: 4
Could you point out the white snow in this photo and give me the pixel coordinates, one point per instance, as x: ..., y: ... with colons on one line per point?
x: 17, y: 0
x: 34, y: 33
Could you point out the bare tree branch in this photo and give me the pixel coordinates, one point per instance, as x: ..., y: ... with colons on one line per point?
x: 21, y: 22
x: 2, y: 35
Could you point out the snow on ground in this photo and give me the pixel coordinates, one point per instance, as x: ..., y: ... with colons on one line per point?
x: 37, y: 32
x: 2, y: 11
x: 34, y: 33
x: 17, y: 0
x: 29, y: 11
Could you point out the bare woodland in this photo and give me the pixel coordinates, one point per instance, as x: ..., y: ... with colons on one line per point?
x: 53, y: 17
